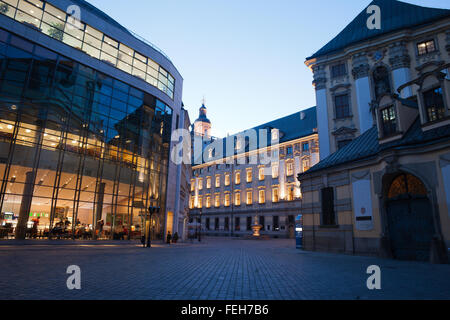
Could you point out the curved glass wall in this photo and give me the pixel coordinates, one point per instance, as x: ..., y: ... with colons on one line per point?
x: 54, y: 22
x: 76, y: 147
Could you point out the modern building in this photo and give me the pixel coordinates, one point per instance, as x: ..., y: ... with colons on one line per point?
x: 383, y: 107
x: 229, y: 191
x: 86, y: 114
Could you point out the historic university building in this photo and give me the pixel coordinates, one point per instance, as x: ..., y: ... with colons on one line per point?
x: 228, y: 195
x: 382, y: 186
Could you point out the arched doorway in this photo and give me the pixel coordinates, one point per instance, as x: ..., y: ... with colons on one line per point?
x: 409, y: 218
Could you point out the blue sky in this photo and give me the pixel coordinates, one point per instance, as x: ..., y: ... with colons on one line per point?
x: 245, y: 56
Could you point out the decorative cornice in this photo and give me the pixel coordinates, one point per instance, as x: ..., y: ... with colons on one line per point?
x: 361, y: 67
x: 360, y: 175
x: 341, y: 85
x: 344, y: 130
x: 398, y: 56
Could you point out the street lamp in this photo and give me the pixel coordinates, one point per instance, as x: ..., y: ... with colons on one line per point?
x: 200, y: 233
x: 152, y: 210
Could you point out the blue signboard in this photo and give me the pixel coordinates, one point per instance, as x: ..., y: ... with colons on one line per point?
x: 299, y: 232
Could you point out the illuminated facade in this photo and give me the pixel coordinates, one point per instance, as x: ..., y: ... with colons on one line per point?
x: 86, y: 115
x: 231, y: 193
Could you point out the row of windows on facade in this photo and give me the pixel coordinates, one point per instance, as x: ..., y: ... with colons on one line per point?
x: 423, y: 48
x: 60, y: 26
x: 250, y: 220
x: 249, y: 175
x: 291, y: 196
x: 305, y: 147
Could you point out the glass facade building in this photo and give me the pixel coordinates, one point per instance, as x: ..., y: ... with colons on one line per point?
x: 82, y: 153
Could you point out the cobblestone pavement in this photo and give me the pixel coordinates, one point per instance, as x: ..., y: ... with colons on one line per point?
x: 216, y: 269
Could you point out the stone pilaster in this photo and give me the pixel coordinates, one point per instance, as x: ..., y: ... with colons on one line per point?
x: 398, y: 56
x: 360, y: 64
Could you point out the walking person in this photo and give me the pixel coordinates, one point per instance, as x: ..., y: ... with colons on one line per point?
x: 175, y: 237
x: 169, y: 237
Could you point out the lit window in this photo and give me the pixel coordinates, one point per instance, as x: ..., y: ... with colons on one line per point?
x: 208, y: 202
x: 262, y: 196
x: 306, y: 164
x: 200, y: 202
x: 434, y: 104
x: 275, y: 171
x: 261, y: 174
x: 217, y: 181
x: 389, y: 121
x: 290, y: 193
x: 208, y: 182
x: 426, y: 47
x: 191, y: 202
x: 217, y: 201
x: 249, y: 197
x: 238, y: 178
x: 289, y: 168
x: 200, y: 184
x: 275, y: 195
x: 249, y: 175
x: 227, y: 200
x: 227, y: 179
x: 192, y: 184
x: 237, y: 199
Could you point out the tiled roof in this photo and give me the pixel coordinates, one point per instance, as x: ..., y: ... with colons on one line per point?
x: 395, y: 15
x: 367, y: 145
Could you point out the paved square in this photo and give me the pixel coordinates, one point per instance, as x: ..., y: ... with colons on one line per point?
x: 217, y: 269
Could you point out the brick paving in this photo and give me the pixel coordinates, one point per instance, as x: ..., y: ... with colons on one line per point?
x: 216, y: 269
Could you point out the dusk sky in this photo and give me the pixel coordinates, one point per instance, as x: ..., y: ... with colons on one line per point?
x: 245, y: 56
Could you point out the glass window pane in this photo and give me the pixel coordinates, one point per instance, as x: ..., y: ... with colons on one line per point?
x: 111, y: 42
x: 9, y: 8
x: 124, y: 66
x: 91, y: 40
x: 94, y: 52
x: 94, y: 32
x: 106, y: 57
x: 71, y: 41
x: 112, y: 51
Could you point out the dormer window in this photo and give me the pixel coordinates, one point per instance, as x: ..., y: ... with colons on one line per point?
x: 434, y: 104
x: 389, y: 121
x: 426, y: 47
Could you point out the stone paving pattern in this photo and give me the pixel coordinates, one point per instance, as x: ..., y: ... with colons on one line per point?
x: 215, y: 269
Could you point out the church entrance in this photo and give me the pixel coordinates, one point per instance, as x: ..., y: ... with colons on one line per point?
x: 409, y: 218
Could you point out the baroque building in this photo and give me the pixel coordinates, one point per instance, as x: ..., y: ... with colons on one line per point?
x: 383, y: 108
x: 227, y: 193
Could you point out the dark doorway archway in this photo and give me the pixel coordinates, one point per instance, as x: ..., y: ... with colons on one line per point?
x: 409, y: 218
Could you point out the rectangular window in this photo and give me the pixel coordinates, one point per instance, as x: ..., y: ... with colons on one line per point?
x: 305, y: 147
x: 426, y: 47
x: 262, y: 196
x: 249, y: 197
x: 192, y: 184
x: 434, y: 104
x: 208, y: 182
x: 261, y: 174
x: 237, y: 199
x: 216, y: 224
x: 342, y: 106
x: 227, y: 223
x: 389, y: 121
x: 275, y: 195
x: 306, y: 165
x: 200, y: 202
x: 289, y: 168
x: 289, y: 150
x: 249, y: 175
x: 338, y: 70
x: 227, y: 200
x: 275, y: 171
x: 237, y: 224
x: 207, y: 224
x: 208, y: 202
x: 238, y: 178
x: 249, y: 223
x: 276, y: 223
x: 328, y: 216
x: 227, y: 179
x: 200, y: 184
x: 217, y: 181
x: 217, y: 201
